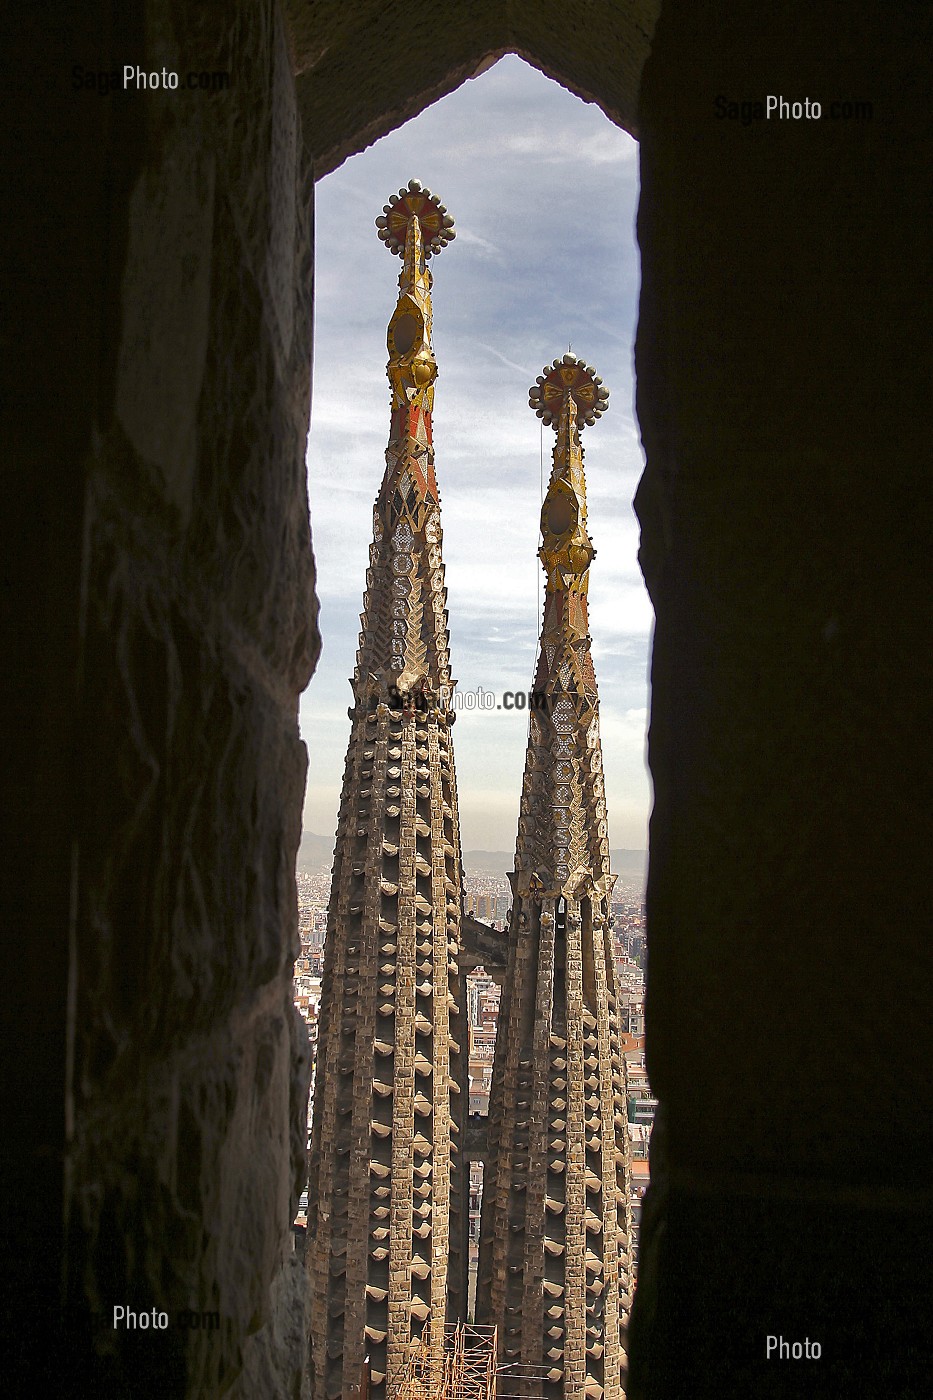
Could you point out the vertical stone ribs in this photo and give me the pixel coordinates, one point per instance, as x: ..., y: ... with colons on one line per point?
x: 386, y: 1189
x: 555, y: 1254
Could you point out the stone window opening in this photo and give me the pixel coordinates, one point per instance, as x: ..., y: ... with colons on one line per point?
x: 161, y: 590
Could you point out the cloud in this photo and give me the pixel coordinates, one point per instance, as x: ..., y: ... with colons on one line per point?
x: 482, y: 245
x: 564, y: 147
x: 543, y: 190
x: 523, y: 370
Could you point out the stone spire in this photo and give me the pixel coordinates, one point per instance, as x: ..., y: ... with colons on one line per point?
x: 387, y: 1231
x: 555, y: 1255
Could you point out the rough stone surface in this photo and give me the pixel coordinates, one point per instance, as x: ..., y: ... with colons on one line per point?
x: 193, y: 634
x: 362, y: 72
x: 275, y: 1357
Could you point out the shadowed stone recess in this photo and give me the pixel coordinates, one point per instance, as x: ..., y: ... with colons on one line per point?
x: 781, y: 367
x: 190, y: 1063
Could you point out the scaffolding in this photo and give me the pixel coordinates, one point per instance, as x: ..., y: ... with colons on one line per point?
x: 464, y: 1370
x: 519, y: 1380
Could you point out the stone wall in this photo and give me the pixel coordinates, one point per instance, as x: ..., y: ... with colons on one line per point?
x: 165, y: 321
x: 781, y: 367
x: 364, y: 69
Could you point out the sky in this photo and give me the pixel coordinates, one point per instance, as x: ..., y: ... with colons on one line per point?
x: 543, y: 190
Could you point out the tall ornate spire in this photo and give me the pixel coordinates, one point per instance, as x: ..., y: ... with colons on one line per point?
x: 387, y: 1235
x: 555, y: 1270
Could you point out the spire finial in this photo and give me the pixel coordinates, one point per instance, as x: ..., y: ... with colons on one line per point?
x: 414, y: 225
x: 567, y: 396
x: 573, y: 377
x: 437, y: 226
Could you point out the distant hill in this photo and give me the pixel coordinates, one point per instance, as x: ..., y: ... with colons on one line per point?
x: 316, y: 854
x: 488, y: 862
x: 628, y: 864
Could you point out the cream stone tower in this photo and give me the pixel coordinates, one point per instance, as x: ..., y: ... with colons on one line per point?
x: 555, y: 1254
x: 386, y: 1234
